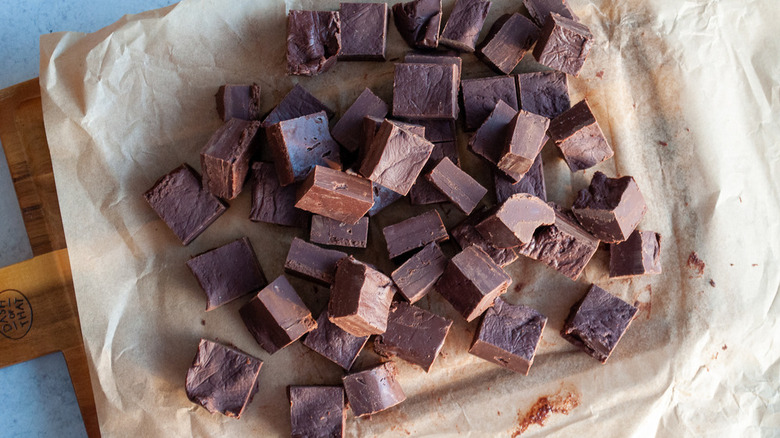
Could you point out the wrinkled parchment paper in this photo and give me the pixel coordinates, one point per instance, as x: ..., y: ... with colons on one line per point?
x: 687, y: 94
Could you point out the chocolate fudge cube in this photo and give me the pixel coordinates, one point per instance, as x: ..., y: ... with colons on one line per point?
x: 610, y: 208
x: 417, y: 276
x: 348, y: 129
x: 272, y: 203
x: 489, y: 140
x: 333, y: 343
x: 317, y: 411
x: 472, y: 281
x: 225, y: 158
x: 413, y: 334
x: 228, y: 272
x: 373, y: 390
x: 371, y: 127
x: 238, y: 102
x: 481, y: 95
x: 363, y: 31
x: 526, y: 136
x: 337, y: 195
x: 327, y: 231
x: 545, y: 93
x: 511, y: 36
x: 313, y: 41
x: 425, y: 91
x: 540, y: 10
x: 423, y: 192
x: 311, y: 262
x: 360, y: 298
x: 458, y: 186
x: 464, y: 24
x: 414, y: 233
x: 436, y: 57
x: 185, y: 206
x: 509, y: 335
x: 532, y: 183
x: 597, y: 322
x: 640, y: 254
x: 467, y: 235
x: 563, y: 45
x: 516, y: 220
x: 276, y: 317
x: 222, y: 379
x: 418, y: 22
x: 298, y: 102
x: 383, y: 197
x: 579, y: 137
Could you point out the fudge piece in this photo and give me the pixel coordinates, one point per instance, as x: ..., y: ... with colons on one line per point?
x: 640, y: 254
x: 564, y: 246
x: 276, y: 317
x: 238, y: 102
x: 437, y: 57
x: 371, y: 127
x: 540, y: 10
x: 383, y: 197
x: 488, y: 142
x: 180, y: 200
x: 360, y: 298
x: 426, y: 91
x: 313, y: 41
x: 413, y: 334
x: 348, y: 129
x: 272, y: 203
x: 579, y: 137
x: 532, y: 183
x: 545, y: 93
x: 311, y: 262
x: 337, y: 195
x: 363, y: 31
x: 610, y: 208
x: 222, y: 379
x: 509, y: 335
x: 414, y: 233
x: 563, y: 45
x: 228, y: 272
x: 467, y: 235
x: 416, y: 277
x: 418, y: 22
x: 298, y: 102
x: 471, y: 281
x: 509, y: 39
x: 464, y: 24
x: 395, y: 158
x: 481, y: 95
x: 300, y: 144
x: 327, y: 231
x: 317, y: 411
x: 373, y: 390
x: 225, y: 158
x: 333, y: 343
x: 458, y: 186
x: 516, y: 220
x: 597, y: 322
x: 423, y: 192
x: 526, y: 135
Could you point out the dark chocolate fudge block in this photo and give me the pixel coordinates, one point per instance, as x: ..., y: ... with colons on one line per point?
x: 417, y: 276
x: 414, y: 233
x: 371, y: 127
x: 276, y: 317
x: 564, y: 246
x: 311, y: 262
x: 413, y: 334
x: 545, y: 93
x: 610, y: 208
x: 481, y: 95
x: 418, y: 22
x: 225, y: 158
x: 526, y: 135
x: 228, y: 272
x: 509, y: 335
x: 360, y: 298
x: 509, y: 39
x: 238, y: 102
x: 531, y: 183
x: 333, y: 343
x: 185, y: 206
x: 471, y: 281
x: 563, y: 45
x: 272, y: 203
x: 337, y: 195
x: 437, y: 57
x: 488, y: 142
x: 464, y: 24
x: 383, y: 197
x: 395, y: 158
x: 300, y: 144
x: 579, y: 137
x: 363, y: 31
x: 467, y: 235
x: 327, y: 231
x: 458, y: 186
x: 423, y: 192
x: 425, y: 91
x: 373, y: 390
x: 640, y: 254
x: 313, y: 41
x: 597, y: 322
x: 222, y: 379
x: 540, y: 10
x: 317, y: 411
x: 515, y: 221
x: 298, y: 102
x: 348, y: 130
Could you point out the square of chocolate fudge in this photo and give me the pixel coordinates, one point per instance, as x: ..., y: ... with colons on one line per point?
x: 272, y: 203
x: 363, y: 31
x: 531, y: 183
x: 311, y: 262
x: 481, y: 95
x: 413, y: 334
x: 640, y: 254
x: 418, y: 22
x: 563, y: 45
x: 348, y: 130
x: 337, y: 195
x: 327, y: 231
x: 417, y: 276
x: 298, y: 102
x: 360, y: 298
x: 610, y: 208
x: 413, y: 233
x: 333, y: 343
x: 458, y: 186
x: 525, y: 138
x: 540, y: 10
x: 425, y: 91
x: 225, y: 158
x: 511, y: 36
x: 464, y: 24
x: 317, y: 411
x: 238, y: 102
x: 313, y: 41
x: 489, y: 140
x: 545, y: 93
x: 579, y: 137
x: 373, y: 390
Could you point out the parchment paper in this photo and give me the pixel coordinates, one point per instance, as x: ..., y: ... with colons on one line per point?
x: 687, y: 94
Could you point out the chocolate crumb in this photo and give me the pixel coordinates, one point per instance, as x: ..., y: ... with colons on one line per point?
x: 663, y: 143
x: 696, y: 264
x: 724, y: 347
x: 545, y: 406
x: 754, y: 264
x: 202, y: 322
x: 712, y: 282
x: 600, y: 74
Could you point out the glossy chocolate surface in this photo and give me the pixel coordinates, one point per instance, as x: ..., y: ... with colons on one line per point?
x: 579, y: 137
x: 414, y: 233
x: 458, y: 186
x: 311, y: 262
x: 413, y: 334
x: 337, y: 195
x: 610, y: 208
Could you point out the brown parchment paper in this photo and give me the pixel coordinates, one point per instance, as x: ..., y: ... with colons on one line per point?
x: 687, y: 94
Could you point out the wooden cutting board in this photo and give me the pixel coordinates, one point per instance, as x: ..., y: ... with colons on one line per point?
x: 38, y: 313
